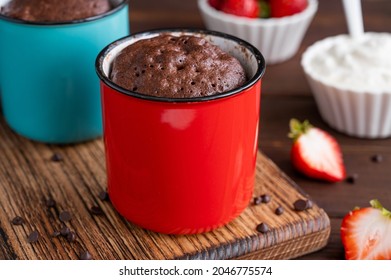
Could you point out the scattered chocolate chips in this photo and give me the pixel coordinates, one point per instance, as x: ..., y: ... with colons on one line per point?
x: 50, y: 203
x: 86, y: 256
x: 65, y: 216
x: 265, y: 198
x: 33, y: 237
x: 96, y: 210
x: 352, y: 178
x: 300, y: 205
x: 56, y: 157
x: 262, y: 228
x: 257, y: 200
x: 279, y: 210
x: 65, y: 231
x: 104, y: 196
x: 71, y: 237
x: 377, y: 158
x: 17, y: 221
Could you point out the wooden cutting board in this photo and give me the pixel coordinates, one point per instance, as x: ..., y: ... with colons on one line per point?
x: 28, y: 177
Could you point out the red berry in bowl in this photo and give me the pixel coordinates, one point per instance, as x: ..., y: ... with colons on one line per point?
x: 215, y: 3
x: 283, y: 8
x: 243, y: 8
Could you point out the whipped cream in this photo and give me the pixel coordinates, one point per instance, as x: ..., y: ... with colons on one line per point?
x: 362, y: 65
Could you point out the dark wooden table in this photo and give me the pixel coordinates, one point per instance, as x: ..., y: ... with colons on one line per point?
x: 286, y: 94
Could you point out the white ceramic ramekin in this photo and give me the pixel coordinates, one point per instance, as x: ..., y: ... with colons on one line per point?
x: 278, y: 39
x: 360, y: 113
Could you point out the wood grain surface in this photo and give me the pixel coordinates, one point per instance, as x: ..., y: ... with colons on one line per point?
x: 29, y: 178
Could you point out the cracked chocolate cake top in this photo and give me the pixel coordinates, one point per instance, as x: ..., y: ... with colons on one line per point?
x: 176, y: 67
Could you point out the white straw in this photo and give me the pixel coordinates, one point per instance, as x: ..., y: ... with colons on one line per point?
x: 353, y: 16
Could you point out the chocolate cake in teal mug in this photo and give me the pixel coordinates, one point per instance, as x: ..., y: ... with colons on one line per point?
x: 48, y: 87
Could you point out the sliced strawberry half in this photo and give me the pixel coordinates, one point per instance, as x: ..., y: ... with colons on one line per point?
x: 366, y: 233
x: 315, y: 153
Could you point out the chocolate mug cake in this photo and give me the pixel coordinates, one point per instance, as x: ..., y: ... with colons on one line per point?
x: 51, y: 46
x: 54, y: 10
x: 181, y: 116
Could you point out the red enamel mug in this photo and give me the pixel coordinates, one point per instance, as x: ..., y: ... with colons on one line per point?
x: 181, y: 165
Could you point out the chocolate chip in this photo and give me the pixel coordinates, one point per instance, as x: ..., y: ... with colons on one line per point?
x: 262, y: 228
x: 71, y: 237
x: 96, y: 210
x: 56, y: 157
x: 257, y: 200
x: 300, y: 205
x: 50, y: 203
x: 56, y: 233
x: 86, y: 256
x: 17, y: 221
x: 352, y: 178
x: 33, y: 237
x: 377, y: 158
x: 265, y: 198
x: 104, y: 196
x: 279, y: 210
x: 65, y: 216
x: 65, y: 231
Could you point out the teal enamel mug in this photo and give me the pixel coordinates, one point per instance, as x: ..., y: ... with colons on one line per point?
x: 48, y: 87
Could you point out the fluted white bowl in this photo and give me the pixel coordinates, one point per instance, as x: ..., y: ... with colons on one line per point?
x: 360, y: 113
x: 278, y: 39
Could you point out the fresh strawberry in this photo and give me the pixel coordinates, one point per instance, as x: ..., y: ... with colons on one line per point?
x: 215, y: 3
x: 316, y: 153
x: 282, y: 8
x: 243, y: 8
x: 366, y: 233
